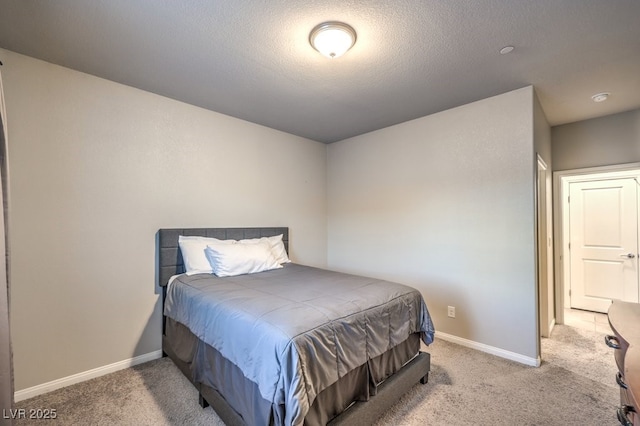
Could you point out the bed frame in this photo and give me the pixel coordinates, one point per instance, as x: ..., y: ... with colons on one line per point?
x: 359, y: 413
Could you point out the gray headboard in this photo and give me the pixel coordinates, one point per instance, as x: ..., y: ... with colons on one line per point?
x: 170, y: 259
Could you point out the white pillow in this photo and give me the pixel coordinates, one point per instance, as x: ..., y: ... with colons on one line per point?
x: 277, y: 246
x: 228, y: 260
x: 193, y: 255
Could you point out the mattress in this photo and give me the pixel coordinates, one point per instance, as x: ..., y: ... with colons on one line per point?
x: 296, y: 331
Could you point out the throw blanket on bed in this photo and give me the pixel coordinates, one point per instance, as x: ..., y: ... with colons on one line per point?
x: 295, y: 331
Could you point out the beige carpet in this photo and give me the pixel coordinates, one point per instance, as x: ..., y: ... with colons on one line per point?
x: 574, y: 386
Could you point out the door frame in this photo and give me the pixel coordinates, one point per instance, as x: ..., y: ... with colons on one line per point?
x: 544, y: 248
x: 561, y: 181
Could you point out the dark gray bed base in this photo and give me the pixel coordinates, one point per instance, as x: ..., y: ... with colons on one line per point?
x: 389, y: 392
x: 359, y: 413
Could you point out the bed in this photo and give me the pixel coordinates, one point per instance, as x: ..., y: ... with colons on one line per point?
x: 292, y: 345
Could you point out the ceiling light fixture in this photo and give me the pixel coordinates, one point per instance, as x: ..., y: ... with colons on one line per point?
x: 332, y: 39
x: 506, y: 49
x: 600, y: 97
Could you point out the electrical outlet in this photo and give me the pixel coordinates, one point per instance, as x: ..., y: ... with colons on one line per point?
x: 451, y: 311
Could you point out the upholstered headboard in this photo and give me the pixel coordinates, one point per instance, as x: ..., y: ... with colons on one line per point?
x: 170, y: 259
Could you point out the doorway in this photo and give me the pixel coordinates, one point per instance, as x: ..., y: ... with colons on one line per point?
x: 544, y: 225
x: 597, y: 218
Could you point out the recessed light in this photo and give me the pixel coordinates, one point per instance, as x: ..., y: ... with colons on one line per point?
x: 506, y: 49
x: 600, y: 97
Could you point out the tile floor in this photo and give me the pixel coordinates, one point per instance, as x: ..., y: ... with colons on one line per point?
x: 587, y: 320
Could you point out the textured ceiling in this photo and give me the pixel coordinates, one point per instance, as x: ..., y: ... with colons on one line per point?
x: 252, y: 59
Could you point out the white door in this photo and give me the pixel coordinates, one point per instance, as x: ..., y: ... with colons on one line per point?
x: 603, y: 219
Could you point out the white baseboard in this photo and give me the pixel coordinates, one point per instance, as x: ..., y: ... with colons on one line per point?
x: 534, y: 362
x: 86, y: 375
x: 23, y: 394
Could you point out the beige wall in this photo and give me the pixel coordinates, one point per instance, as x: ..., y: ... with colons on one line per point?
x: 542, y: 135
x: 544, y: 220
x: 604, y: 141
x: 446, y: 203
x: 96, y: 169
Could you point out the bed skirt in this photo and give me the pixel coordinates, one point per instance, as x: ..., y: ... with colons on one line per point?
x: 238, y: 401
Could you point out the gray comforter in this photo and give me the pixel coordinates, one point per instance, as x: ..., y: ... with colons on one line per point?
x: 295, y: 331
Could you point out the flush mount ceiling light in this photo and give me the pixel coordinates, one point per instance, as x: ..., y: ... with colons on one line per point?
x: 600, y: 97
x: 506, y: 49
x: 332, y: 39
